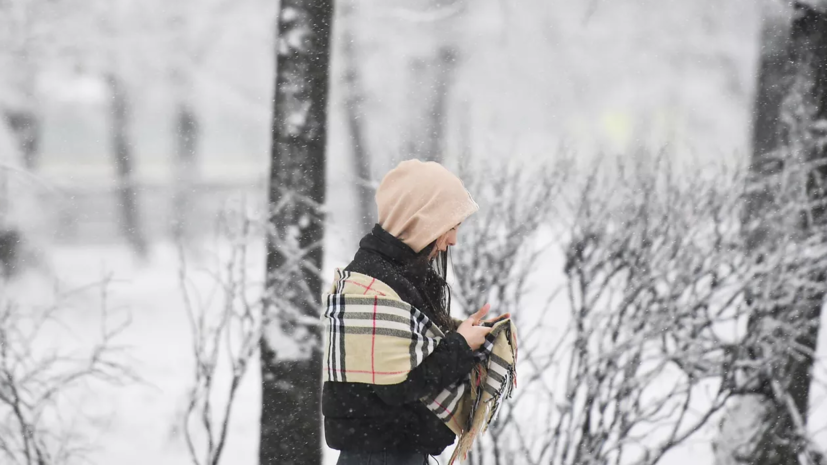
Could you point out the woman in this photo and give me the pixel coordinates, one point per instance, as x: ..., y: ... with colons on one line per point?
x: 421, y: 206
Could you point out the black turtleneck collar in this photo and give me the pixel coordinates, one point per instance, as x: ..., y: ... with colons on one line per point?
x: 388, y: 259
x: 384, y: 243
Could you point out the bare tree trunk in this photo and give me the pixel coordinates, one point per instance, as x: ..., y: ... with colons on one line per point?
x: 26, y: 126
x: 804, y: 118
x: 23, y: 117
x: 772, y: 70
x: 791, y: 110
x: 433, y: 75
x: 355, y: 119
x: 186, y: 156
x: 186, y: 124
x: 432, y: 83
x: 25, y: 122
x: 446, y: 68
x: 9, y: 250
x: 290, y: 346
x: 120, y: 113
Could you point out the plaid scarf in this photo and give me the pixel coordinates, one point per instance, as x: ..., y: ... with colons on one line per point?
x: 373, y: 337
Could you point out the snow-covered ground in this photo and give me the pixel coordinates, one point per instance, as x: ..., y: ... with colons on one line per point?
x: 140, y: 422
x: 137, y: 423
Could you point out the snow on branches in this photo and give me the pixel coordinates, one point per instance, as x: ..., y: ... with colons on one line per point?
x: 659, y: 329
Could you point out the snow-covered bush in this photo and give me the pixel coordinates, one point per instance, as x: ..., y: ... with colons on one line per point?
x: 37, y: 426
x: 659, y: 327
x: 225, y: 325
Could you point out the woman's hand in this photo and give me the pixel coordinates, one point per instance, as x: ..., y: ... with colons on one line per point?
x: 491, y: 321
x: 471, y: 330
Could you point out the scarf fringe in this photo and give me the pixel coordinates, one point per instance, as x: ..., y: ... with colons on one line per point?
x: 483, y: 413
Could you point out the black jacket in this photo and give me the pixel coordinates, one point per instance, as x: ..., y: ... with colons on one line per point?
x: 369, y: 418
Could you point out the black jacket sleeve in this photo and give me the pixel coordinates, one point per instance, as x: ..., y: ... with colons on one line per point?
x: 451, y: 360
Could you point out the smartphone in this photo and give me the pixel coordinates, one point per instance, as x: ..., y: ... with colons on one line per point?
x: 490, y: 324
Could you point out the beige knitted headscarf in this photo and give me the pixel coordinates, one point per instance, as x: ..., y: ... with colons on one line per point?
x: 420, y: 201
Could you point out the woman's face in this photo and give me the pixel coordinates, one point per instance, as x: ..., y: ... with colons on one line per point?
x: 448, y: 239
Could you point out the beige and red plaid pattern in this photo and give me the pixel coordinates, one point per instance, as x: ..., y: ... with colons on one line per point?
x: 373, y: 337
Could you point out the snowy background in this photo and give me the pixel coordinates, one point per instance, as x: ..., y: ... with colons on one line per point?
x: 531, y: 79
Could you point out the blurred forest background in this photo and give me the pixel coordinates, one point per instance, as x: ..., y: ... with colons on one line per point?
x: 617, y: 148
